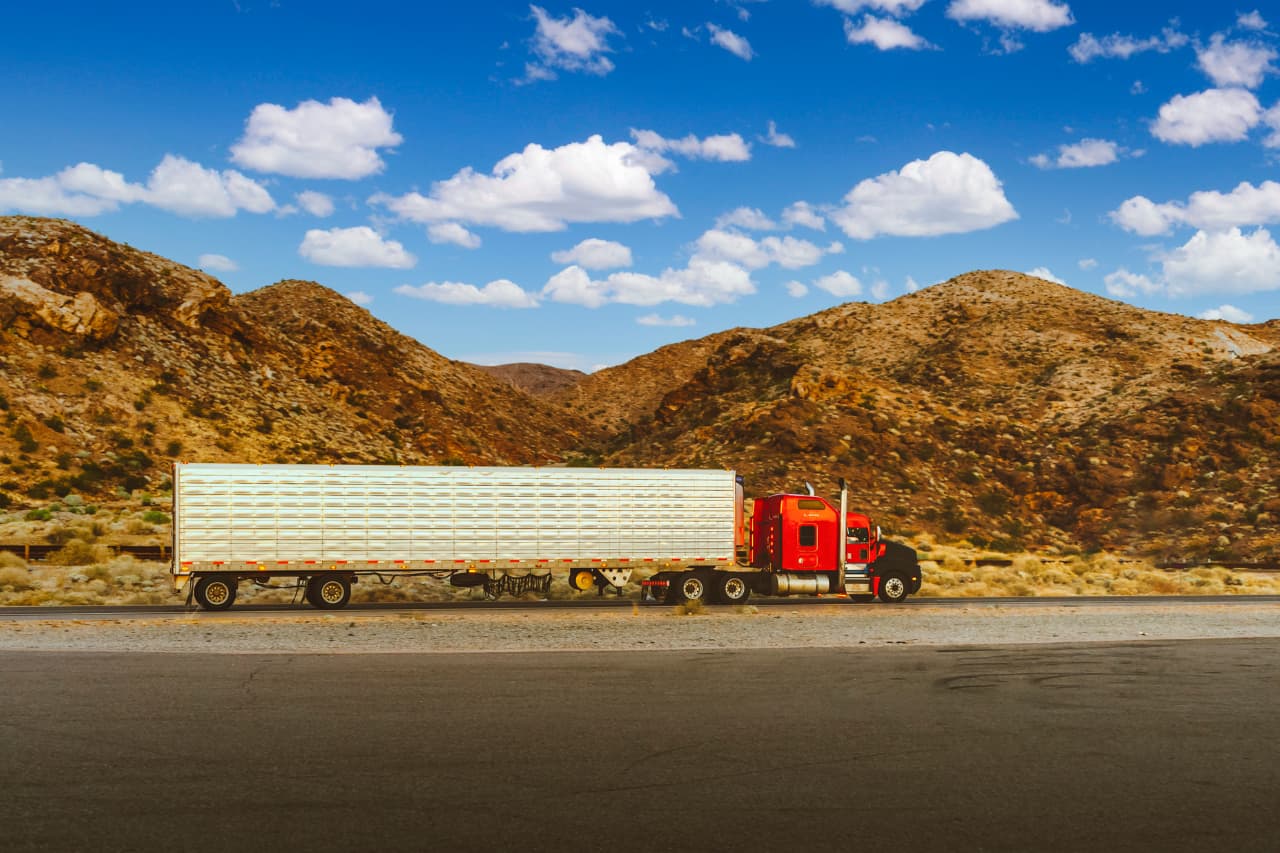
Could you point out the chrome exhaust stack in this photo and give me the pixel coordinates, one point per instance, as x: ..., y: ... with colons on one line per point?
x: 842, y: 554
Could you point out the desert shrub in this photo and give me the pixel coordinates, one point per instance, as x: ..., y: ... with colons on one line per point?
x: 10, y: 560
x: 16, y: 580
x: 26, y: 441
x: 38, y: 515
x: 138, y: 527
x: 154, y: 516
x: 77, y: 552
x: 5, y: 500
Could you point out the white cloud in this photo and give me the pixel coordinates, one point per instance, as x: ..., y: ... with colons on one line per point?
x: 452, y: 232
x: 884, y: 33
x: 1235, y: 63
x: 796, y: 289
x: 1039, y: 16
x: 1251, y: 21
x: 751, y: 218
x: 1082, y: 154
x: 339, y: 139
x: 880, y: 290
x: 803, y: 213
x: 500, y: 293
x: 787, y: 252
x: 1230, y: 313
x: 703, y: 282
x: 176, y: 185
x: 317, y: 204
x: 188, y: 189
x: 48, y: 197
x: 1223, y: 262
x: 1116, y: 46
x: 544, y: 190
x: 217, y: 263
x: 354, y: 247
x: 839, y: 283
x: 1087, y: 263
x: 776, y: 139
x: 675, y: 320
x: 947, y: 194
x: 893, y: 7
x: 359, y: 297
x: 1208, y: 209
x: 577, y: 43
x: 725, y: 147
x: 911, y: 285
x: 1046, y: 274
x: 1214, y: 115
x: 595, y: 254
x: 1124, y: 284
x: 1271, y: 118
x: 731, y: 41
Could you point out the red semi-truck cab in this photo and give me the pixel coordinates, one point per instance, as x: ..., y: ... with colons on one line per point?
x: 796, y: 539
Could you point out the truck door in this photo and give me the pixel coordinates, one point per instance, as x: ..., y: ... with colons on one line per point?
x: 807, y: 546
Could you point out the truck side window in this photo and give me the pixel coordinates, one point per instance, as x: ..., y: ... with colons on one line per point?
x: 808, y: 535
x: 857, y: 535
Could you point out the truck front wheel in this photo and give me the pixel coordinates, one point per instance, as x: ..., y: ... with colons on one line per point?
x: 329, y: 593
x: 215, y: 593
x: 893, y: 589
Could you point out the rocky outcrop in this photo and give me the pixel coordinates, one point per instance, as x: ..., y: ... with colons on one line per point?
x: 81, y: 315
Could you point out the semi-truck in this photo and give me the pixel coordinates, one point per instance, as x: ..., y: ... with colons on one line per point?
x: 686, y: 533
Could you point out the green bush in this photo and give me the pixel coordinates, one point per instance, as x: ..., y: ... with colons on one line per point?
x: 153, y: 516
x: 38, y: 515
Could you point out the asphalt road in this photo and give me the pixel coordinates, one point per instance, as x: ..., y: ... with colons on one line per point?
x: 1154, y: 746
x: 150, y: 611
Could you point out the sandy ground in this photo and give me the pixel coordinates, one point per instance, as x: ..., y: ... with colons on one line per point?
x: 840, y: 625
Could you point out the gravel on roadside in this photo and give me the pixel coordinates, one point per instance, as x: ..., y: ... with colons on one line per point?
x: 839, y: 625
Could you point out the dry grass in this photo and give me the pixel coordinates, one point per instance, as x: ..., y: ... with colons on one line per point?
x: 948, y: 573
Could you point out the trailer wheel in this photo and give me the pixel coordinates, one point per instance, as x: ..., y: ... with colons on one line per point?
x: 329, y: 593
x: 732, y: 589
x: 215, y: 593
x: 893, y: 589
x: 691, y: 586
x: 582, y: 580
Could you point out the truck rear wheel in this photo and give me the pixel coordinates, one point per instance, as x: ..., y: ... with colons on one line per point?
x: 893, y: 589
x: 691, y: 586
x: 215, y: 593
x: 328, y: 593
x: 732, y: 589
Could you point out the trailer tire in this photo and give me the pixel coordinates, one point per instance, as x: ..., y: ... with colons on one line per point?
x: 215, y: 593
x: 329, y: 592
x: 893, y: 589
x: 732, y: 589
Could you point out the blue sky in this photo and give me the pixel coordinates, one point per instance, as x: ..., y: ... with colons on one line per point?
x: 580, y: 184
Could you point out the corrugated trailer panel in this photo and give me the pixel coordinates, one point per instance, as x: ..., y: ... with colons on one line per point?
x: 355, y: 513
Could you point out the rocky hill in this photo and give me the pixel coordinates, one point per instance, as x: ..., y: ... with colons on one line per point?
x: 998, y: 408
x: 113, y: 362
x: 540, y: 380
x: 1005, y: 409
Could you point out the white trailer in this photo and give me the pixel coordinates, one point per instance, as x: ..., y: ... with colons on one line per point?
x: 507, y: 529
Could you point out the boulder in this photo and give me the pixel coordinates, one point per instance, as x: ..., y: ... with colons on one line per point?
x: 80, y: 315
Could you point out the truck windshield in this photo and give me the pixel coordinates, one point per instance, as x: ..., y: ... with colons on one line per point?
x: 857, y: 535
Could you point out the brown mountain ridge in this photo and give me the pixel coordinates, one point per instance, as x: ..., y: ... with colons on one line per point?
x: 996, y: 407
